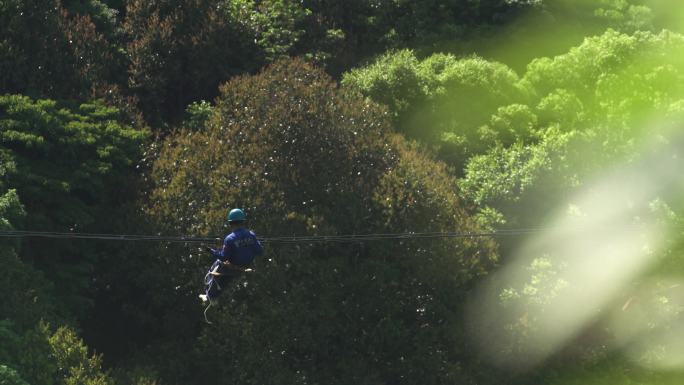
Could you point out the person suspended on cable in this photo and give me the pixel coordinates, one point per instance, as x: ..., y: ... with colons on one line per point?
x: 234, y: 257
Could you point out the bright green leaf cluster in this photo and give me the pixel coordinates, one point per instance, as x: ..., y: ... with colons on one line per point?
x: 66, y: 160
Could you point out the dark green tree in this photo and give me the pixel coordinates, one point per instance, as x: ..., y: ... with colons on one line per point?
x: 180, y: 53
x: 71, y: 166
x: 304, y: 157
x: 9, y: 376
x: 46, y: 51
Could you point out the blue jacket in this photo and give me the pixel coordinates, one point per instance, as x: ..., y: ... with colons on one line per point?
x: 239, y: 248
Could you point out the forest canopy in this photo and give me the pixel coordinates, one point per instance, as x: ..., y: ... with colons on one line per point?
x: 447, y: 191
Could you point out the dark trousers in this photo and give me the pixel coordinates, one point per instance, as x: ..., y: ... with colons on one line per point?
x: 216, y: 284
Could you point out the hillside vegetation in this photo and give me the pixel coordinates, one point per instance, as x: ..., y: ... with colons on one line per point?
x: 543, y: 136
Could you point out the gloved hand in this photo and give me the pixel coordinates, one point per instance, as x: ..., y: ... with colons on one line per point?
x: 209, y: 249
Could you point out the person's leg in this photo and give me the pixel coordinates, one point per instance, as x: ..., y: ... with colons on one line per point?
x: 211, y: 285
x: 214, y: 288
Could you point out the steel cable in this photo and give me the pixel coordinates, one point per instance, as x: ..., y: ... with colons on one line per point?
x: 349, y: 238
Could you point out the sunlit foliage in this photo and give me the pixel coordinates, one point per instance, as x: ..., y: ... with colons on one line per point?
x: 66, y: 157
x: 601, y: 105
x: 588, y: 109
x: 525, y: 152
x: 442, y: 100
x: 42, y: 356
x: 342, y: 33
x: 75, y: 365
x: 10, y: 376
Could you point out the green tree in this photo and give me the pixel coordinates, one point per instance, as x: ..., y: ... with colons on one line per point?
x: 596, y: 107
x: 277, y: 24
x: 341, y: 34
x: 41, y: 356
x: 21, y: 284
x: 26, y: 299
x: 71, y: 166
x: 67, y: 159
x: 585, y: 110
x: 394, y: 303
x: 510, y: 179
x: 101, y: 13
x: 9, y: 376
x: 197, y: 115
x: 71, y: 356
x: 181, y: 53
x: 395, y: 80
x: 46, y: 51
x: 441, y: 100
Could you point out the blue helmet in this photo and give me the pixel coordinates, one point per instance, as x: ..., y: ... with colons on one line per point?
x: 236, y: 215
